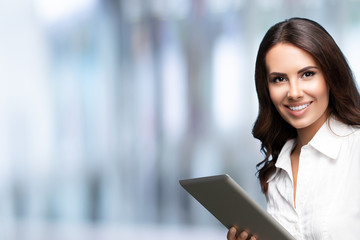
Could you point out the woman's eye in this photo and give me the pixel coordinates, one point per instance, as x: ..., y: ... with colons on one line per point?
x: 308, y: 74
x: 278, y: 79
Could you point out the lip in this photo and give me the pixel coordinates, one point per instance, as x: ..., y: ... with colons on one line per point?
x: 292, y: 108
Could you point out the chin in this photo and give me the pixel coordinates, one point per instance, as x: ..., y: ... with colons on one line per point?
x: 300, y: 124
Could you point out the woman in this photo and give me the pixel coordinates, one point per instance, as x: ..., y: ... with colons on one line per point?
x: 308, y: 124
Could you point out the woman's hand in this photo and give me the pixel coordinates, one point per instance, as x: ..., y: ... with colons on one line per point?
x: 242, y: 236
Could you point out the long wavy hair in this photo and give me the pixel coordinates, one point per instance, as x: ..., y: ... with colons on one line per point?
x: 344, y: 100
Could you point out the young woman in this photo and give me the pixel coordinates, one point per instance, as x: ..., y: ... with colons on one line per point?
x: 308, y: 124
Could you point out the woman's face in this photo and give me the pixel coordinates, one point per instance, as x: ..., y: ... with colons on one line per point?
x: 297, y: 86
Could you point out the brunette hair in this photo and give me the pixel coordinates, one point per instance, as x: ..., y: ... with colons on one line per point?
x: 344, y: 100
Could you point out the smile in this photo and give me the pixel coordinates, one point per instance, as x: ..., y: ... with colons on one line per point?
x: 300, y: 107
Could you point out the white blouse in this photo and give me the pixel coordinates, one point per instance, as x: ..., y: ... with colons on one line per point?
x: 328, y: 185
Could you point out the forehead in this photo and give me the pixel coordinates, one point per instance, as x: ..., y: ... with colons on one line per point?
x: 285, y: 57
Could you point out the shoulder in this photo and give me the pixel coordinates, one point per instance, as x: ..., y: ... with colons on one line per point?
x: 348, y: 136
x: 341, y: 129
x: 353, y: 138
x: 335, y: 136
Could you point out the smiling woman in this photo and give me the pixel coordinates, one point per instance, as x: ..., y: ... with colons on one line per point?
x: 297, y: 88
x: 308, y: 124
x: 104, y: 105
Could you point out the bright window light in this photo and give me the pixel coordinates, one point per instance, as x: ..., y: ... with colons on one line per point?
x: 57, y: 10
x: 227, y: 83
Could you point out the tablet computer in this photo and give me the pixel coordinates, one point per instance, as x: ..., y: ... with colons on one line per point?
x: 232, y: 206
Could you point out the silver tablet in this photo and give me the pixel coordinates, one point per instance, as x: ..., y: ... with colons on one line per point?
x: 232, y: 206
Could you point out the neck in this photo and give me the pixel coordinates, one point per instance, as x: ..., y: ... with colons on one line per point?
x: 304, y: 137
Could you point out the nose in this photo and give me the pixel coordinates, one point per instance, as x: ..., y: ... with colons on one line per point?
x: 295, y: 89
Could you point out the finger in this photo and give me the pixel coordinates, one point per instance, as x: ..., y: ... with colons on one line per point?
x: 243, y: 236
x: 231, y: 234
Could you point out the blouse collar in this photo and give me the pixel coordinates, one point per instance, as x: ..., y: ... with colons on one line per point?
x: 327, y: 140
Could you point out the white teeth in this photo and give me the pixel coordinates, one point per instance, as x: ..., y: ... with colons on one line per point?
x: 298, y: 108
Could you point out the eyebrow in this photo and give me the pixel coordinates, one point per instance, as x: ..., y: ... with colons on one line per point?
x: 300, y: 71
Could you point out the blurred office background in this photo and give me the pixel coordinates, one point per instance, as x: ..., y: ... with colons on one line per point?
x: 106, y: 104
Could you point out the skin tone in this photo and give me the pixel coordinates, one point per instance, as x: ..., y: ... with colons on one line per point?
x: 300, y: 94
x: 242, y: 236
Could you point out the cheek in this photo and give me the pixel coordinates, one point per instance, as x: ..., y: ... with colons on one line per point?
x: 320, y: 90
x: 275, y: 95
